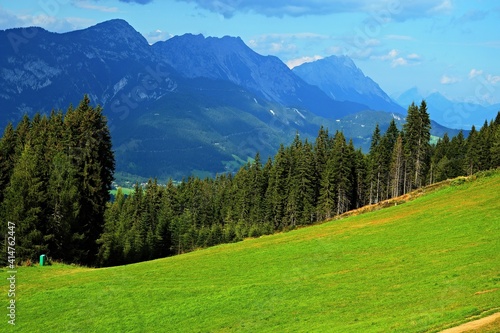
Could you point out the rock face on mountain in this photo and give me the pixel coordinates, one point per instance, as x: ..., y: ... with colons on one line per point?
x: 229, y: 59
x: 187, y: 105
x: 342, y: 80
x: 49, y: 70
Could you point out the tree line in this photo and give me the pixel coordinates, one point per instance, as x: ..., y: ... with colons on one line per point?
x: 304, y: 183
x: 56, y: 173
x: 55, y: 177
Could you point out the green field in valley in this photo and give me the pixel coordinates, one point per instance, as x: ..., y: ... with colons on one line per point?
x: 422, y: 266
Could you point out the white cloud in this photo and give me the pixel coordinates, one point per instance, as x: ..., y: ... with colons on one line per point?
x: 389, y: 56
x: 396, y: 59
x: 52, y: 23
x: 157, y: 35
x: 381, y: 10
x: 299, y: 61
x: 87, y: 5
x: 399, y: 62
x: 445, y: 7
x: 475, y: 72
x: 399, y: 37
x: 445, y: 79
x: 282, y: 44
x: 493, y: 79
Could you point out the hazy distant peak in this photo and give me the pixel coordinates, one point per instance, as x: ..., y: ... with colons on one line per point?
x: 342, y: 80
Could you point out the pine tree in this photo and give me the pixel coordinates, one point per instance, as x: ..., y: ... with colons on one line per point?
x: 278, y: 188
x: 7, y: 158
x: 387, y: 146
x: 374, y: 169
x: 89, y: 148
x: 472, y: 155
x: 342, y: 170
x: 23, y: 206
x: 495, y: 146
x: 457, y: 152
x: 360, y: 177
x: 484, y: 146
x: 440, y: 163
x: 397, y: 168
x: 62, y: 218
x: 417, y: 147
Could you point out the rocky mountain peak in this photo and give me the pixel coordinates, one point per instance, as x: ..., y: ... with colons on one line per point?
x: 342, y: 80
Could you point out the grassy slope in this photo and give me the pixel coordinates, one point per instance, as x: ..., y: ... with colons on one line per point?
x: 417, y: 267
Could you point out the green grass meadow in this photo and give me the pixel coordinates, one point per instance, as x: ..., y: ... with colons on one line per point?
x: 422, y: 266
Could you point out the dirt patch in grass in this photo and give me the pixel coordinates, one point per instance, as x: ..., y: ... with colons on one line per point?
x: 476, y: 325
x: 486, y: 291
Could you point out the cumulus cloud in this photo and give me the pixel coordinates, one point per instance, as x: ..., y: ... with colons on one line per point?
x: 299, y: 61
x: 475, y: 72
x: 493, y: 79
x: 396, y: 59
x: 284, y: 44
x: 157, y: 35
x: 380, y: 9
x: 445, y: 79
x: 41, y: 19
x: 413, y: 56
x: 490, y: 78
x: 444, y: 6
x: 87, y: 5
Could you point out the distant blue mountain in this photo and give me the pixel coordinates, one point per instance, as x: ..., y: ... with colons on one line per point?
x: 449, y: 113
x: 342, y: 80
x: 187, y: 105
x: 229, y: 59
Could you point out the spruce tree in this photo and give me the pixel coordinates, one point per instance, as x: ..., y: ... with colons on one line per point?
x: 397, y: 168
x: 375, y: 171
x: 89, y: 148
x: 417, y: 152
x: 7, y: 158
x: 495, y: 146
x: 472, y: 154
x: 23, y: 205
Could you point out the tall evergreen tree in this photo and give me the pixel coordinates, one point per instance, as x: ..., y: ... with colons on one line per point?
x: 374, y: 172
x: 7, y: 158
x: 397, y: 168
x: 495, y: 145
x: 63, y: 199
x: 23, y: 205
x: 417, y: 146
x: 472, y: 154
x: 89, y: 147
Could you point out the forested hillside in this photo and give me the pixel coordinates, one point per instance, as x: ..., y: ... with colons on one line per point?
x: 305, y: 183
x: 56, y: 173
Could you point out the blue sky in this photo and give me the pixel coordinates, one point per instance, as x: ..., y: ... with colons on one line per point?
x: 450, y: 46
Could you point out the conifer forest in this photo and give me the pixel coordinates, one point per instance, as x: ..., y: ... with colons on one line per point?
x: 57, y: 171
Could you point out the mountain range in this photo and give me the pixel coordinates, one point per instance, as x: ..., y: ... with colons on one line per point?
x: 190, y: 104
x: 342, y: 80
x: 450, y: 113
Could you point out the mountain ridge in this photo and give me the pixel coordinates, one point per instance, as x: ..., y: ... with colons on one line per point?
x: 212, y: 96
x: 448, y: 113
x: 229, y: 58
x: 341, y: 79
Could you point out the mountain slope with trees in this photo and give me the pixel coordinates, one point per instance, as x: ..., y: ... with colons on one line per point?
x: 57, y: 172
x: 305, y: 183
